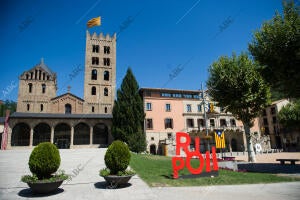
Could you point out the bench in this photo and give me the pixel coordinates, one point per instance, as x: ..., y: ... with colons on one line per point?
x: 293, y: 161
x: 228, y: 158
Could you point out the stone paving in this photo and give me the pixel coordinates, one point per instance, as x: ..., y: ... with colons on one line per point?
x: 84, y: 165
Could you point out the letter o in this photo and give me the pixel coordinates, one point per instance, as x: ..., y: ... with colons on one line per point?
x: 188, y: 162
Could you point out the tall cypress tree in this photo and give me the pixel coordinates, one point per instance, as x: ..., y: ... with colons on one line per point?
x: 128, y: 114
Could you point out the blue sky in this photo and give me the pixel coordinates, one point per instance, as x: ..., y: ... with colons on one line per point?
x: 168, y: 44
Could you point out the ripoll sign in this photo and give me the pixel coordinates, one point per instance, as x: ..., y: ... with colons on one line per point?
x: 183, y: 141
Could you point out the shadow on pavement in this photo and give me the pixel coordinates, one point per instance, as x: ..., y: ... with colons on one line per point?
x: 271, y: 168
x: 28, y: 193
x: 104, y: 185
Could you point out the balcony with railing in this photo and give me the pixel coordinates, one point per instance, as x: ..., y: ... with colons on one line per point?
x: 212, y: 128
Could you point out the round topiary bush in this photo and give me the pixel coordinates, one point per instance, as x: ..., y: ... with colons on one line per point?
x: 44, y: 160
x: 117, y: 157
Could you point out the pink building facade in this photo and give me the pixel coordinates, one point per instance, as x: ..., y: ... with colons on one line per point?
x: 171, y: 110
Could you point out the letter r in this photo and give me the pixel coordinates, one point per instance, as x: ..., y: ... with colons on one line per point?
x: 183, y: 145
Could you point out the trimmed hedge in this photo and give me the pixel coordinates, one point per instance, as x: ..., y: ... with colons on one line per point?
x: 44, y: 160
x: 117, y: 157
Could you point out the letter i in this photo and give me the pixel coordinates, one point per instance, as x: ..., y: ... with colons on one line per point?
x: 214, y: 157
x: 207, y: 157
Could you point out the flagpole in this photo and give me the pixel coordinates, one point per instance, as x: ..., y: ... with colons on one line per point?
x: 205, y: 118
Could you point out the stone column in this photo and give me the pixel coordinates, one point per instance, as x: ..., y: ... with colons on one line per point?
x: 91, y: 135
x: 31, y: 137
x: 72, y: 137
x: 9, y: 133
x: 52, y: 134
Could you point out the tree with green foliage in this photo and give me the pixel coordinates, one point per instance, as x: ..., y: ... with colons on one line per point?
x: 7, y: 105
x: 276, y: 46
x: 289, y: 115
x: 237, y: 87
x: 128, y: 115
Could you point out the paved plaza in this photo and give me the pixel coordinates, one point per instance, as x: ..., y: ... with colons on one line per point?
x: 84, y: 165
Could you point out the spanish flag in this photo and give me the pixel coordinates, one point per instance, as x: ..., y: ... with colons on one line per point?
x: 94, y: 22
x: 220, y: 139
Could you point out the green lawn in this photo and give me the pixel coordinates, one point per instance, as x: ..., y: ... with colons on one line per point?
x: 157, y: 171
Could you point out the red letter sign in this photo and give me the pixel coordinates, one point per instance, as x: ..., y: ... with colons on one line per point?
x: 191, y: 154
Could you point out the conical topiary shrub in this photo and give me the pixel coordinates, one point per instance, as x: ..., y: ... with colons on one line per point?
x: 117, y: 159
x: 44, y: 160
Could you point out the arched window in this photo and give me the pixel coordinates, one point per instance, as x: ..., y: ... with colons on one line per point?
x: 30, y: 87
x: 20, y: 135
x: 105, y: 92
x: 106, y: 75
x: 100, y: 134
x: 43, y: 88
x: 42, y: 107
x: 93, y: 109
x: 41, y: 133
x: 94, y: 74
x: 62, y: 136
x: 68, y: 109
x: 81, y: 134
x: 28, y: 107
x: 27, y: 76
x: 105, y: 109
x: 93, y: 90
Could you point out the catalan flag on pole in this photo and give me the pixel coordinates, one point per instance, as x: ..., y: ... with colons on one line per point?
x: 220, y: 139
x: 211, y: 107
x: 94, y: 22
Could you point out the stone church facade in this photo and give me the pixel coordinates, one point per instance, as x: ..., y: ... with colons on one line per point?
x: 67, y: 120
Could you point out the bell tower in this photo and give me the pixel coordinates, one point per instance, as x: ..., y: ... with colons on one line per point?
x: 100, y: 73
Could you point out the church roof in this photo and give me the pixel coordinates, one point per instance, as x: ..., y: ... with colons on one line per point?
x: 44, y: 67
x: 39, y: 66
x: 68, y: 93
x: 60, y: 115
